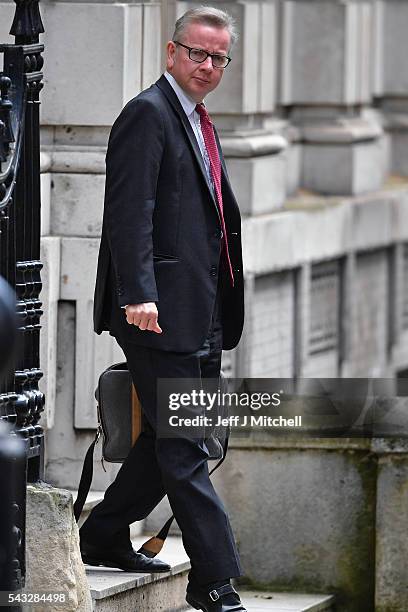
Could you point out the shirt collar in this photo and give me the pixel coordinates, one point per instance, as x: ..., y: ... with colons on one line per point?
x: 186, y: 102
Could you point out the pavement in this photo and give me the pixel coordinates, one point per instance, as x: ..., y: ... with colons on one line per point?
x: 256, y: 601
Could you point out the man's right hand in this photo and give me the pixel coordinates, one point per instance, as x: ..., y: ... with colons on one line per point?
x: 144, y: 316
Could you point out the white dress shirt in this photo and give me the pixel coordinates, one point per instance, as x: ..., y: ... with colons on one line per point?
x: 194, y: 118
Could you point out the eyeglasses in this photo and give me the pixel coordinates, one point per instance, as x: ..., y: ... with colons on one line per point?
x: 199, y: 56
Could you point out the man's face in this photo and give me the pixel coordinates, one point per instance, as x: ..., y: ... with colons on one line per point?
x: 197, y: 80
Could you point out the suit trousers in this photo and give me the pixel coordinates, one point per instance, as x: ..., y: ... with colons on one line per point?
x: 175, y: 466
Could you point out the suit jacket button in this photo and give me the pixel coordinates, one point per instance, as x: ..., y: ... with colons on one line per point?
x: 213, y: 271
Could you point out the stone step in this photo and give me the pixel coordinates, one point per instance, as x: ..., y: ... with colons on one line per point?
x: 256, y: 601
x: 116, y: 591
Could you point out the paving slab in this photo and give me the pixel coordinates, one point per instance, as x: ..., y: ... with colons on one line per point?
x: 256, y: 601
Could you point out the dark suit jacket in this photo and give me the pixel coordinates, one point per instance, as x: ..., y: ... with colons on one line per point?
x: 161, y: 234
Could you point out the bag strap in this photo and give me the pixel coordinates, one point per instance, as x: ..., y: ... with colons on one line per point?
x: 86, y: 477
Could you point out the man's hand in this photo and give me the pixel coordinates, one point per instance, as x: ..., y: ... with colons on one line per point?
x: 144, y: 316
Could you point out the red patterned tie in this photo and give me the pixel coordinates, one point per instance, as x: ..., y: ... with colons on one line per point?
x: 215, y: 164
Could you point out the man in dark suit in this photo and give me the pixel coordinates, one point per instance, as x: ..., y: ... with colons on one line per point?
x: 170, y: 289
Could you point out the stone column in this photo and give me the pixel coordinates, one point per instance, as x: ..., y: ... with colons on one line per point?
x: 326, y: 87
x: 392, y: 79
x: 391, y: 550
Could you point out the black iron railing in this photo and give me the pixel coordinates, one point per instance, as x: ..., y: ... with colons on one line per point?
x: 21, y: 402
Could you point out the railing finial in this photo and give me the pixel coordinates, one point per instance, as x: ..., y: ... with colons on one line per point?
x: 27, y: 24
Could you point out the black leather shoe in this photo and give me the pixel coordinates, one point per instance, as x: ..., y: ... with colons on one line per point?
x: 126, y: 560
x: 222, y: 599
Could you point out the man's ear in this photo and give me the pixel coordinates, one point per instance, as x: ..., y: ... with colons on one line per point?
x: 171, y: 51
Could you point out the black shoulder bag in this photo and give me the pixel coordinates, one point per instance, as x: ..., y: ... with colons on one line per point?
x: 119, y: 424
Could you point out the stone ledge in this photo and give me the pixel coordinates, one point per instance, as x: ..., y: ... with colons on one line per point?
x: 259, y: 440
x: 341, y: 131
x: 105, y: 582
x: 252, y: 145
x: 330, y: 226
x: 389, y: 446
x: 77, y: 159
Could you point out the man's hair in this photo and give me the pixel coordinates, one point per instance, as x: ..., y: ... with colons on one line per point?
x: 207, y: 15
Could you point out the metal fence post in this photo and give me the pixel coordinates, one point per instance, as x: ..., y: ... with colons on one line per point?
x: 21, y: 402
